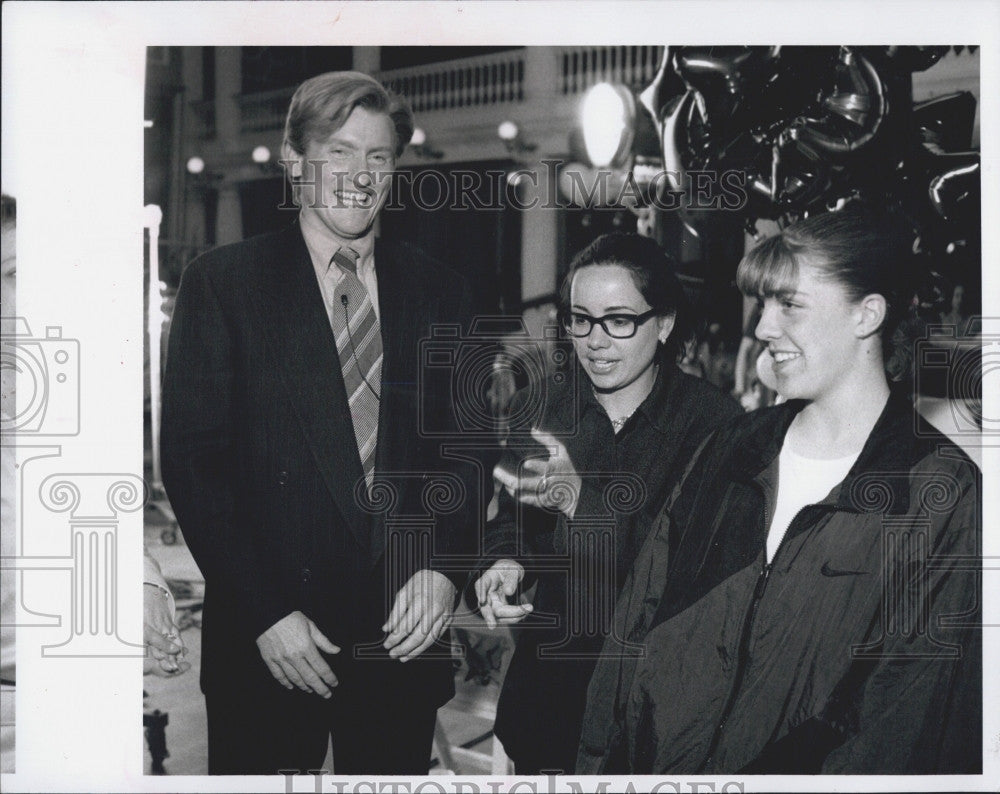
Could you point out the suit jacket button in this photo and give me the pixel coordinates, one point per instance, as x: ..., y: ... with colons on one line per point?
x: 306, y: 574
x: 282, y: 478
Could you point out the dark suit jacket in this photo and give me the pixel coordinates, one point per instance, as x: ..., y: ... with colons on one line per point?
x: 261, y: 464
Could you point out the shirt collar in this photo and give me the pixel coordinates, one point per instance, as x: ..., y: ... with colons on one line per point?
x: 654, y: 405
x: 323, y: 244
x: 883, y: 467
x: 651, y: 407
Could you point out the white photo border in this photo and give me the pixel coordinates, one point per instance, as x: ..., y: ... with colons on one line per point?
x: 73, y: 83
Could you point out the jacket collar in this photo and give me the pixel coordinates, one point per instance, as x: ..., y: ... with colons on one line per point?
x: 652, y: 407
x: 892, y: 448
x: 758, y: 446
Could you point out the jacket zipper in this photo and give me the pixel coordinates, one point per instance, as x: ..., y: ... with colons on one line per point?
x: 743, y: 653
x: 741, y: 663
x: 743, y: 649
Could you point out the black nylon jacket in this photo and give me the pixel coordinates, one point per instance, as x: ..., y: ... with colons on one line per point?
x: 858, y: 650
x: 580, y: 565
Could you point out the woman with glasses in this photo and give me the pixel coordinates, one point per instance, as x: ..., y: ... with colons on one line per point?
x: 809, y: 598
x: 581, y: 479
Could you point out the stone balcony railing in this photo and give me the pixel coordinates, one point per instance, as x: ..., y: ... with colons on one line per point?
x: 463, y: 89
x: 466, y: 83
x: 499, y: 79
x: 582, y: 67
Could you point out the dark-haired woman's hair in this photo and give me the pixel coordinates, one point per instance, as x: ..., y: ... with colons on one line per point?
x: 652, y: 272
x: 859, y: 247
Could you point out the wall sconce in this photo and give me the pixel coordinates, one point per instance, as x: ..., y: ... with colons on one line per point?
x: 261, y: 155
x: 420, y: 146
x: 235, y: 166
x: 201, y: 176
x: 515, y: 143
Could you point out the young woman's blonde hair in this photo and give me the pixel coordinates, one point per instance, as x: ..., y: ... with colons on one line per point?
x: 860, y: 248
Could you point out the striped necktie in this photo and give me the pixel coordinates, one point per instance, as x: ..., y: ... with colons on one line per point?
x: 359, y: 346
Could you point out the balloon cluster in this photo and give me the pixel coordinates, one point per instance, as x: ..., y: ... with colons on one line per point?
x: 813, y: 127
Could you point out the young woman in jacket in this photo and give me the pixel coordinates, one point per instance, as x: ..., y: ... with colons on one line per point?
x: 809, y: 599
x: 588, y: 463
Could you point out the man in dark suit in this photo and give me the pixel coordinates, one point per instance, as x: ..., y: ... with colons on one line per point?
x: 290, y: 427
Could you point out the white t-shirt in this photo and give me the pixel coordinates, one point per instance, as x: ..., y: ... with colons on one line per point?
x: 802, y: 481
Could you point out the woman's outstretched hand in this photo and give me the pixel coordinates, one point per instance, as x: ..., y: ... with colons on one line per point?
x: 495, y: 587
x: 551, y: 483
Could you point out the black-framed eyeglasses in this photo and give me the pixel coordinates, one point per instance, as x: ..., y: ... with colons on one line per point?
x: 617, y: 326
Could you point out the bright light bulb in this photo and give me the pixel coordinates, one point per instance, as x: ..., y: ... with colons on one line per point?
x: 195, y: 165
x: 604, y: 123
x: 152, y: 216
x: 419, y: 137
x: 261, y: 155
x: 507, y: 130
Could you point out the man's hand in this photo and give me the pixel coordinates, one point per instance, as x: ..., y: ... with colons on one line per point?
x: 493, y: 589
x: 550, y: 483
x: 422, y: 612
x: 291, y: 649
x: 164, y: 645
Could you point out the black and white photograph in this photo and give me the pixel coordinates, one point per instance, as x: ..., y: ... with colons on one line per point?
x: 499, y: 397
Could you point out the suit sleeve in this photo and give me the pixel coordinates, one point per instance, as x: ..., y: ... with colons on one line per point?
x: 199, y: 456
x: 459, y: 533
x: 919, y: 708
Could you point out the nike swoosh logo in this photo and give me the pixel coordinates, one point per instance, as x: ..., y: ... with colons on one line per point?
x: 826, y: 570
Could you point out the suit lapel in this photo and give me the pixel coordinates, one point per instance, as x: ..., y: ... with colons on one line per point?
x: 393, y: 312
x: 390, y: 307
x: 401, y: 308
x: 298, y: 330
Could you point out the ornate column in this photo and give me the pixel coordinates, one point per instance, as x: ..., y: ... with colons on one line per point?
x: 407, y: 537
x: 907, y: 564
x: 366, y: 59
x: 590, y: 564
x: 228, y: 86
x: 539, y: 234
x: 540, y: 225
x: 541, y: 74
x: 94, y: 504
x: 229, y: 217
